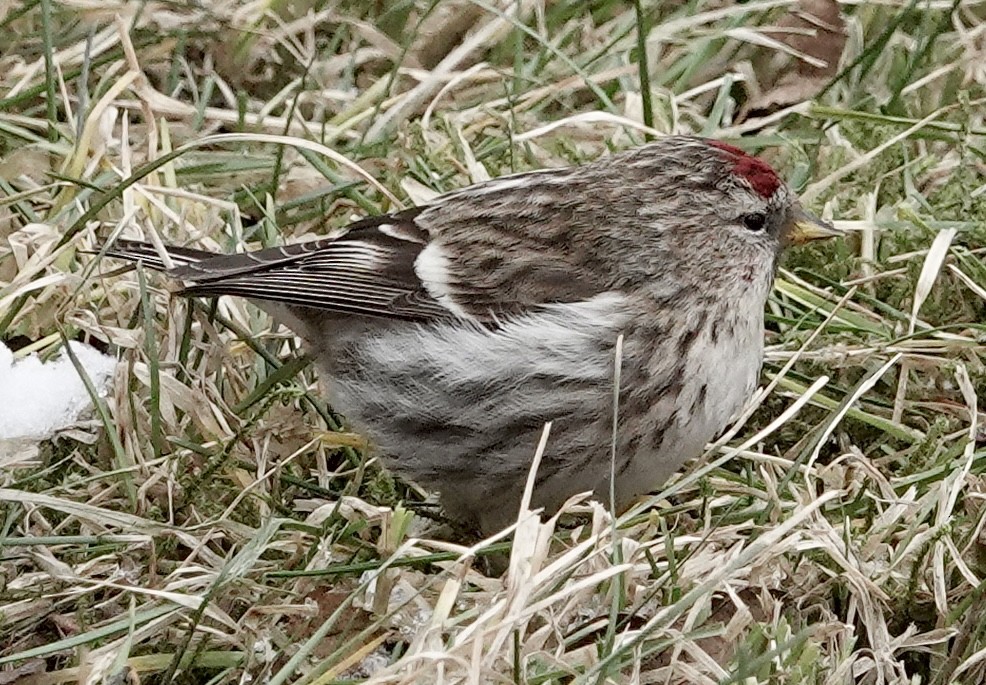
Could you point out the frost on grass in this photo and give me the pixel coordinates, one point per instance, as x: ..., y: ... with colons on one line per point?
x: 38, y: 398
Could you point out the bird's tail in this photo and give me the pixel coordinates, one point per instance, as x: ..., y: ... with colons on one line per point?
x: 139, y: 251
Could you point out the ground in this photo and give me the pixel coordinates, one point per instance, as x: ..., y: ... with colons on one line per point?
x: 214, y: 521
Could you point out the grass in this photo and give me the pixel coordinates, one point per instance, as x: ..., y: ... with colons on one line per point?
x: 219, y: 523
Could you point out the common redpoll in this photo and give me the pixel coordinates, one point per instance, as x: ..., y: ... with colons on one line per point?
x: 451, y: 333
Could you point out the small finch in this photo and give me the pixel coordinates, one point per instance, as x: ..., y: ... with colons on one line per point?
x: 450, y: 333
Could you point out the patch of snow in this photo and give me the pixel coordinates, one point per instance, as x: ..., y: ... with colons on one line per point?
x: 37, y: 399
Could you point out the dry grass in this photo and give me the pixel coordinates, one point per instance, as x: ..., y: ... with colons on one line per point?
x: 221, y: 528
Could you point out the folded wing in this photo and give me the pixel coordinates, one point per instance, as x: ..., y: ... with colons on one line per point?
x: 497, y: 249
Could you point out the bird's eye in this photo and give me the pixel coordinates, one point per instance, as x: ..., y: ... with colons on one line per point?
x: 755, y: 221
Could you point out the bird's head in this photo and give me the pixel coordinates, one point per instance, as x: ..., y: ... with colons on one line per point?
x: 703, y: 202
x: 761, y: 204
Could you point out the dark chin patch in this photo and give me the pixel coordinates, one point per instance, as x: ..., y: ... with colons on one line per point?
x: 755, y: 172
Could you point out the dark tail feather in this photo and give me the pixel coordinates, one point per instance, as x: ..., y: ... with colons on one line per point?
x: 138, y: 251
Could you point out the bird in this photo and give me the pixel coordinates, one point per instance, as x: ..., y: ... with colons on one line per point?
x: 450, y: 333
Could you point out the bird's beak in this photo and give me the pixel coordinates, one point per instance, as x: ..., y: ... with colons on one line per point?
x: 805, y: 226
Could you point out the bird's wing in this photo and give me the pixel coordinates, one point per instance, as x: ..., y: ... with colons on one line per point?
x: 369, y: 271
x: 482, y: 253
x: 516, y: 243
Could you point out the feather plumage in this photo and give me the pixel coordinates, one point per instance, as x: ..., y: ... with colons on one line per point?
x: 450, y: 333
